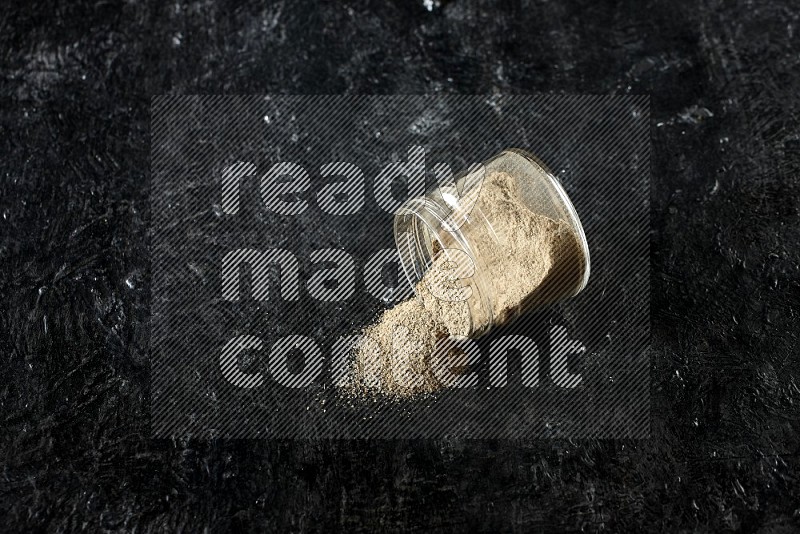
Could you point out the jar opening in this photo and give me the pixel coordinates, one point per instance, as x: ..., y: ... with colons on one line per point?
x: 422, y: 234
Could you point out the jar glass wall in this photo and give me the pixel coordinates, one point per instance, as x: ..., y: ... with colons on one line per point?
x: 504, y: 233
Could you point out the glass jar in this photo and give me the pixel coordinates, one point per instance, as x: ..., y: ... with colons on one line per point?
x: 507, y: 235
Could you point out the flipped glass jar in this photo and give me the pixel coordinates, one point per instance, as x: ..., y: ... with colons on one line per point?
x: 508, y: 235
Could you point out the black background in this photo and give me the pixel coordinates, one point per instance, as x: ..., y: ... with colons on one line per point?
x: 599, y: 148
x: 74, y: 113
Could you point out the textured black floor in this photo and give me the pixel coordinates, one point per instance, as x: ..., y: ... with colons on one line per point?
x: 74, y: 145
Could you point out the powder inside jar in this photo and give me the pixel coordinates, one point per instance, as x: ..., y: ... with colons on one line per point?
x: 532, y: 260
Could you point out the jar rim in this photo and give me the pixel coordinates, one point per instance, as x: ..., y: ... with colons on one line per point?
x: 421, y: 213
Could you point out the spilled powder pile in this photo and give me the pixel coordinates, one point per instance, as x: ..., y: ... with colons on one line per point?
x: 531, y: 258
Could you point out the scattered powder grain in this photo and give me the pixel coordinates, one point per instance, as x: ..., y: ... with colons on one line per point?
x: 530, y: 257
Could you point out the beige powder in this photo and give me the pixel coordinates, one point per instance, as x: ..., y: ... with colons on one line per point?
x: 532, y: 260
